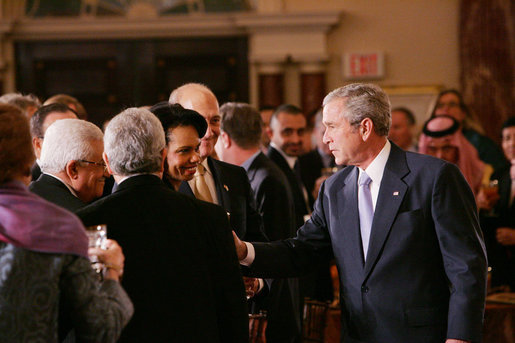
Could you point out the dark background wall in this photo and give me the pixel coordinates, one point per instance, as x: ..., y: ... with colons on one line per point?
x: 108, y: 76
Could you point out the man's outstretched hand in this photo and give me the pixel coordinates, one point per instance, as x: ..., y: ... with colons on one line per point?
x: 241, y: 248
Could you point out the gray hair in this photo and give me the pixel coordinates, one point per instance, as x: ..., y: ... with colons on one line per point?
x: 133, y: 142
x: 364, y: 101
x: 68, y: 140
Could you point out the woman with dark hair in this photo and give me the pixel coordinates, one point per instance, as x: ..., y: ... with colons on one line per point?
x: 183, y: 130
x: 450, y: 102
x: 47, y: 285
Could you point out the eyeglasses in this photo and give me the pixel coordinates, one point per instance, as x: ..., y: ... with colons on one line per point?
x: 100, y: 164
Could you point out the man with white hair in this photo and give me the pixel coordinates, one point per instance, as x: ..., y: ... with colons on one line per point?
x: 71, y: 160
x: 182, y: 273
x: 215, y: 181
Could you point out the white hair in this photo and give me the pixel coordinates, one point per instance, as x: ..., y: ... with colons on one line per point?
x: 133, y: 142
x: 364, y: 101
x: 68, y: 140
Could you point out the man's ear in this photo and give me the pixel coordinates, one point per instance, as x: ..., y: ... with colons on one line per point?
x: 72, y: 170
x: 226, y: 139
x: 366, y: 128
x: 106, y: 160
x: 269, y: 132
x: 164, y: 153
x: 37, y: 144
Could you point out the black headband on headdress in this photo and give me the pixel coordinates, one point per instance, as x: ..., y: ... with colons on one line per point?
x: 437, y: 134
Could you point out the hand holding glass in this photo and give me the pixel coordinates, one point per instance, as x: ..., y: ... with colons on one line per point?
x: 97, y: 236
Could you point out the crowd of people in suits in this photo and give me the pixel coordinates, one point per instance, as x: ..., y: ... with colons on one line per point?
x: 180, y: 183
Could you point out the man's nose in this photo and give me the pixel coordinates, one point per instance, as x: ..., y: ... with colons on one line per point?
x: 325, y: 138
x: 209, y: 133
x: 296, y: 138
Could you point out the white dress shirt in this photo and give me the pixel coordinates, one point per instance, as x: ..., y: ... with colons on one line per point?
x: 210, y: 181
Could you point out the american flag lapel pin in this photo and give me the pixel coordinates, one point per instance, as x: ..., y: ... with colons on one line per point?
x: 395, y: 193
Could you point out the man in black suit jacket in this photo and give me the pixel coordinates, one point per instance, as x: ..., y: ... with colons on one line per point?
x: 71, y: 158
x: 318, y: 164
x: 180, y: 272
x: 228, y: 184
x: 499, y: 228
x: 240, y: 144
x: 422, y: 276
x: 287, y: 127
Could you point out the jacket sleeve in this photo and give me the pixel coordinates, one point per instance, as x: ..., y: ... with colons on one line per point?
x: 98, y: 312
x: 463, y: 252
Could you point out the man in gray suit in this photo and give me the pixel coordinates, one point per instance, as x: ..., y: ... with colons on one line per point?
x: 239, y: 144
x: 403, y: 228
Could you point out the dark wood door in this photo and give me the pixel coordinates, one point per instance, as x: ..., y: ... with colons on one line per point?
x: 108, y: 76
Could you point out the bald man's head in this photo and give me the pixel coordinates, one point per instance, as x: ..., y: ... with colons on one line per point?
x: 197, y: 97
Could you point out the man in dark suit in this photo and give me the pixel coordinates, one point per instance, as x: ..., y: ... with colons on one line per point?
x: 498, y: 221
x: 227, y: 184
x: 287, y: 127
x: 181, y: 271
x: 239, y: 144
x: 71, y: 159
x: 403, y: 228
x: 39, y: 123
x: 318, y: 164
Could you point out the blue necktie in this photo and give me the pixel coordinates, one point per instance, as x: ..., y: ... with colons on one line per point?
x: 366, y: 210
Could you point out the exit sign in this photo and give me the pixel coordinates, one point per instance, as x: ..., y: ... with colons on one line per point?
x: 363, y: 65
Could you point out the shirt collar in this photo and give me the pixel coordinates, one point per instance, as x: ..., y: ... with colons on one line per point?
x: 132, y: 175
x: 376, y: 168
x: 289, y: 159
x: 249, y: 161
x: 205, y: 164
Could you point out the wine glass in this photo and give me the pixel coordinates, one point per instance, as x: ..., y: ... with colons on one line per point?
x: 249, y: 286
x: 491, y: 191
x: 97, y: 236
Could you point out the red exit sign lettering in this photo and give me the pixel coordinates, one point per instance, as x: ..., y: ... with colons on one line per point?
x: 363, y: 65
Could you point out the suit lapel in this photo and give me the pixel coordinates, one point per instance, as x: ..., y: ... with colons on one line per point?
x: 348, y: 220
x: 391, y: 194
x: 222, y: 191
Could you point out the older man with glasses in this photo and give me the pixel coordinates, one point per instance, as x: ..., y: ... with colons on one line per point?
x: 71, y: 160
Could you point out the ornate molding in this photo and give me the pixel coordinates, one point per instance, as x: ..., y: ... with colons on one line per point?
x: 288, y: 22
x: 205, y: 24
